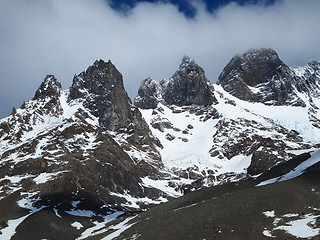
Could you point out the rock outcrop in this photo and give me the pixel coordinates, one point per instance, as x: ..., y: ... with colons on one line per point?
x: 49, y: 88
x: 101, y: 89
x: 188, y: 86
x: 259, y: 75
x: 149, y: 94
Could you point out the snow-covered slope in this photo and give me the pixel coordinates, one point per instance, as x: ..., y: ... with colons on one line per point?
x: 57, y: 152
x: 89, y: 152
x: 297, y: 171
x: 231, y: 137
x: 224, y: 138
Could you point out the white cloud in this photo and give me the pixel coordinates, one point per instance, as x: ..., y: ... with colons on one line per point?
x: 65, y: 37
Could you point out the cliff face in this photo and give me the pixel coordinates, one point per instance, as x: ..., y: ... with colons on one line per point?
x: 149, y: 94
x: 188, y: 86
x: 101, y: 89
x: 80, y: 145
x: 260, y: 76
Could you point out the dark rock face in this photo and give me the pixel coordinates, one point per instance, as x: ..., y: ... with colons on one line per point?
x: 148, y: 94
x: 260, y: 76
x: 47, y: 96
x: 188, y: 86
x: 258, y: 66
x: 50, y: 87
x: 101, y: 87
x: 262, y: 161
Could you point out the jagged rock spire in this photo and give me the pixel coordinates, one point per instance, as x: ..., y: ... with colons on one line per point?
x: 148, y: 94
x: 50, y: 87
x: 98, y: 79
x: 101, y: 89
x: 188, y: 86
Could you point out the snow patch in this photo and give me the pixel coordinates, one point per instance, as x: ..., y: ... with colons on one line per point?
x: 164, y: 185
x: 120, y: 228
x: 99, y: 227
x: 77, y: 225
x: 133, y: 202
x: 68, y: 111
x: 81, y: 213
x: 301, y: 226
x: 269, y: 213
x: 44, y: 177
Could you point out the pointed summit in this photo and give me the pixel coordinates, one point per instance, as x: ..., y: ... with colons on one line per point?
x: 98, y: 79
x: 187, y: 60
x: 149, y: 94
x: 50, y: 87
x: 101, y: 89
x: 188, y: 86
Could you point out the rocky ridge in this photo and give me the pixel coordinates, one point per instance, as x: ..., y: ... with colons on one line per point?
x: 61, y: 145
x: 261, y: 134
x: 260, y: 76
x: 188, y: 86
x: 88, y: 148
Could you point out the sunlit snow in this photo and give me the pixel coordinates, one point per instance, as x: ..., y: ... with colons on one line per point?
x: 301, y: 226
x: 297, y: 171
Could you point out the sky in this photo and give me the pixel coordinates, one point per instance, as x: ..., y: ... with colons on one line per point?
x: 143, y: 38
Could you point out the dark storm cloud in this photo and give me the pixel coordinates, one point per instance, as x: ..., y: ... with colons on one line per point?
x: 64, y: 37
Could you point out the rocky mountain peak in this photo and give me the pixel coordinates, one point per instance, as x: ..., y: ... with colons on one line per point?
x: 149, y: 94
x: 312, y: 70
x: 50, y: 87
x: 314, y: 64
x: 259, y: 75
x: 187, y: 62
x: 255, y: 66
x: 307, y: 78
x: 101, y: 89
x: 46, y: 98
x: 188, y: 86
x: 98, y: 79
x: 188, y: 66
x: 102, y: 64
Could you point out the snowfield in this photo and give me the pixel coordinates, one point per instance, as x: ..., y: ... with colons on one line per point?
x: 297, y: 225
x: 187, y: 139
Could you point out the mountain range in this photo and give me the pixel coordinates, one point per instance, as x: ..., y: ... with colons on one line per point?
x: 82, y: 162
